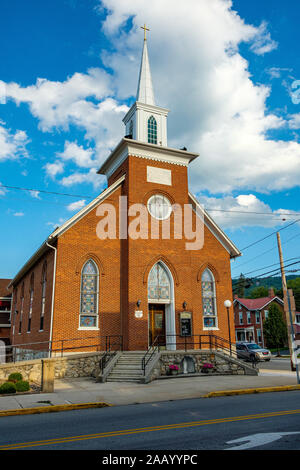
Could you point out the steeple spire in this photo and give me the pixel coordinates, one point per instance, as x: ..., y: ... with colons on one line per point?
x: 145, y: 93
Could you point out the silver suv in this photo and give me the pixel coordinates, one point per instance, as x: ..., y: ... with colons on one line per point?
x: 252, y: 352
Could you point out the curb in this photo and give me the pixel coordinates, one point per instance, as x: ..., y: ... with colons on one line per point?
x: 224, y: 393
x: 53, y: 408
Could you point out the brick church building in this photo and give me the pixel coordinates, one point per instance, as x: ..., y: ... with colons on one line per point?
x: 86, y: 283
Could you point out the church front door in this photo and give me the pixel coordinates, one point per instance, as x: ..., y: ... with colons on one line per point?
x: 157, y: 323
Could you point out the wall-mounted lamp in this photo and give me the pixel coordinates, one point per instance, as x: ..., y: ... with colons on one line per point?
x: 138, y: 303
x: 184, y: 305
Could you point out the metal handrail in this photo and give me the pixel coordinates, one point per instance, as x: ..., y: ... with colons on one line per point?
x: 194, y: 342
x: 62, y: 347
x: 152, y: 349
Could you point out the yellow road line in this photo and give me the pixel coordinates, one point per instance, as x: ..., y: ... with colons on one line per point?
x: 143, y: 430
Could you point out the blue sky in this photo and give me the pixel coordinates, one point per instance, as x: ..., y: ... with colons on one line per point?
x: 225, y: 72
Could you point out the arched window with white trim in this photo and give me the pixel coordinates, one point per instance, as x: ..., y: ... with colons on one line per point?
x: 209, y: 304
x: 152, y: 130
x: 88, y: 318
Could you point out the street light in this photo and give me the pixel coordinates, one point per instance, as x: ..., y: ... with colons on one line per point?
x: 228, y: 304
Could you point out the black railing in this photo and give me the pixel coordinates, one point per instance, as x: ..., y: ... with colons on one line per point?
x: 153, y: 349
x: 184, y: 343
x: 109, y: 352
x: 48, y: 348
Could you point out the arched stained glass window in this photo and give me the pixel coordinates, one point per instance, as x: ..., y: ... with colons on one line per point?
x: 44, y: 283
x: 210, y: 319
x: 152, y: 130
x: 89, y: 296
x: 158, y: 284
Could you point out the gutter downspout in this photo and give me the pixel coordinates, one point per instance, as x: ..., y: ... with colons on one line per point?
x: 53, y: 294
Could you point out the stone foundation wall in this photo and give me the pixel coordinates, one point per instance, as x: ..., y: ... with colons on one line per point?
x: 223, y: 365
x: 79, y: 365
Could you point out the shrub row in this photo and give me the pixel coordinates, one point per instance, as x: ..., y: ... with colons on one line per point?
x: 15, y: 383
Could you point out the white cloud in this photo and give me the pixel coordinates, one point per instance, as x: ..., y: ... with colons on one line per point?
x: 19, y: 214
x: 216, y: 109
x: 198, y: 72
x: 12, y: 145
x: 52, y: 169
x: 82, y: 157
x: 2, y: 190
x: 78, y: 178
x: 75, y: 206
x: 263, y: 43
x: 245, y: 210
x: 294, y: 121
x: 35, y: 194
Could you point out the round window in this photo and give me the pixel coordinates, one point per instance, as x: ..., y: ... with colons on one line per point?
x: 159, y: 207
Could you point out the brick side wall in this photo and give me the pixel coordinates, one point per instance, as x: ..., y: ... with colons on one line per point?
x: 35, y: 334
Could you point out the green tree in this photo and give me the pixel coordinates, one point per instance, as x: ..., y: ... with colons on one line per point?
x: 258, y: 292
x: 240, y: 286
x: 295, y: 285
x: 275, y: 330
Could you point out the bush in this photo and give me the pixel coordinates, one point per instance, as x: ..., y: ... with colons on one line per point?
x: 22, y: 386
x: 15, y: 377
x: 8, y: 387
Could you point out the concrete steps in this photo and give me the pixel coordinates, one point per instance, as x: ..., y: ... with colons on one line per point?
x: 128, y: 368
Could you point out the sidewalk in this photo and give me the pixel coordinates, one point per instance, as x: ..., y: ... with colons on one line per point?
x: 87, y: 390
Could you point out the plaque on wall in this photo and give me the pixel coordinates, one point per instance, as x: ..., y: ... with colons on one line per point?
x: 138, y: 314
x: 159, y: 175
x: 185, y: 324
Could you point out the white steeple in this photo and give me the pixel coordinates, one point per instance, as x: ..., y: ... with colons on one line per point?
x: 145, y: 121
x: 145, y: 93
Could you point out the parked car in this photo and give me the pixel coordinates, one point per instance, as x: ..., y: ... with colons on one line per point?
x: 252, y: 352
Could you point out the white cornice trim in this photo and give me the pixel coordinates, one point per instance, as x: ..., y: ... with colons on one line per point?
x: 136, y: 148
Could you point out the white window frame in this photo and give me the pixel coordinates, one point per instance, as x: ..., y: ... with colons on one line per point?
x: 216, y: 327
x: 88, y: 328
x: 248, y: 317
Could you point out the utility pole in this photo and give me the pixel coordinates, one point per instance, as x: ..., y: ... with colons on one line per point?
x: 289, y: 302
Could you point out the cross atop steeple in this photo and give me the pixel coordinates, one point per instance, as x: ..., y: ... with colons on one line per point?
x: 145, y: 29
x: 146, y: 122
x: 145, y: 92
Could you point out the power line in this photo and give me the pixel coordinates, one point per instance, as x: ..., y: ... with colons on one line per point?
x: 44, y: 191
x: 269, y: 266
x: 267, y: 236
x: 265, y: 252
x: 56, y: 193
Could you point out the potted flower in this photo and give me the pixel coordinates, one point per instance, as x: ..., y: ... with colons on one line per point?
x: 207, y: 367
x: 173, y: 369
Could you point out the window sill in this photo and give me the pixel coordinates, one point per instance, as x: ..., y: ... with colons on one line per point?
x: 40, y: 331
x: 207, y: 328
x: 89, y: 328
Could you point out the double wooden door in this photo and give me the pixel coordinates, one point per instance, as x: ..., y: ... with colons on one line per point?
x: 157, y: 323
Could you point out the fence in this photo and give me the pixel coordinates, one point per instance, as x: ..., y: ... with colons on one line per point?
x: 62, y: 347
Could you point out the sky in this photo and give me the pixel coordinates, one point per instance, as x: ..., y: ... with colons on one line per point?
x: 229, y: 71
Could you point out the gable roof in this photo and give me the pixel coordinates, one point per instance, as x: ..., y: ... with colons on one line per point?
x: 257, y: 304
x: 64, y: 227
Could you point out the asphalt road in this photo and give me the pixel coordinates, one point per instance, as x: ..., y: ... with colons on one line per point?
x: 263, y: 421
x: 276, y: 364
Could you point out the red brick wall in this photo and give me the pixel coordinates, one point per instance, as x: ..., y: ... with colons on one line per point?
x: 124, y: 266
x: 35, y: 334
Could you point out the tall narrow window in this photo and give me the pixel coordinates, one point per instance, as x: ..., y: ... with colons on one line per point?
x: 210, y: 319
x: 22, y: 308
x: 89, y: 296
x: 30, y: 302
x: 152, y: 130
x: 44, y: 283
